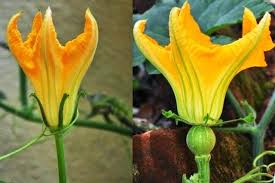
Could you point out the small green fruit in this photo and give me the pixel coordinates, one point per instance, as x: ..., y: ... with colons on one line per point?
x: 201, y: 140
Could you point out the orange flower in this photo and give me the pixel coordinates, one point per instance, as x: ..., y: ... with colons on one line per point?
x: 199, y: 71
x: 54, y: 69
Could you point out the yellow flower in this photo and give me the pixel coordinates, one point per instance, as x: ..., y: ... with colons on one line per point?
x: 54, y: 69
x: 199, y: 71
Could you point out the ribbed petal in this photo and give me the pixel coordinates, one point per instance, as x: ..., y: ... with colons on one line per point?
x: 160, y: 57
x: 77, y: 57
x: 22, y: 53
x: 51, y: 69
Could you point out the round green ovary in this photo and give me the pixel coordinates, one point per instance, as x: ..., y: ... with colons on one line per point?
x: 201, y: 140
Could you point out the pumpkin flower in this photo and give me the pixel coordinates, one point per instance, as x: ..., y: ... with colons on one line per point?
x: 199, y: 71
x: 54, y: 70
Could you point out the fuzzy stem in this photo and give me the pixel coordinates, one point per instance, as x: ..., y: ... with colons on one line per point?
x: 23, y: 88
x: 268, y: 114
x: 203, y: 168
x: 258, y: 135
x: 81, y: 122
x: 235, y: 103
x: 59, y: 142
x: 258, y: 144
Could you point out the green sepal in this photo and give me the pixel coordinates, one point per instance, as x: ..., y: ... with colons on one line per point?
x: 171, y: 115
x: 75, y: 113
x: 80, y: 94
x: 207, y: 118
x: 193, y: 178
x: 250, y: 111
x: 249, y: 118
x: 41, y: 109
x: 61, y: 108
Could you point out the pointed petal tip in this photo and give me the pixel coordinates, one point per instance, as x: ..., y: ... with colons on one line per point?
x: 186, y: 5
x: 14, y: 19
x: 140, y: 25
x: 88, y: 11
x: 38, y: 15
x: 17, y: 14
x: 265, y: 21
x: 90, y: 22
x: 89, y: 14
x: 48, y: 12
x: 247, y: 11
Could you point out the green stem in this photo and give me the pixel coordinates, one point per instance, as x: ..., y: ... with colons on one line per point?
x: 203, y: 168
x: 235, y: 103
x: 23, y: 86
x: 258, y: 144
x: 268, y: 114
x: 59, y: 142
x: 81, y: 122
x: 258, y: 134
x: 240, y: 129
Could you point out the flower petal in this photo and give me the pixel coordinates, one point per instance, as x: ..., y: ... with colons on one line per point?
x: 22, y: 53
x: 160, y: 57
x: 239, y: 55
x: 257, y: 58
x: 77, y: 57
x: 185, y: 46
x: 51, y: 68
x: 36, y: 26
x: 249, y: 21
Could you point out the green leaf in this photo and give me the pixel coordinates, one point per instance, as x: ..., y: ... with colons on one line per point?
x: 158, y: 30
x: 249, y: 118
x: 2, y: 181
x: 211, y: 15
x: 138, y: 58
x: 151, y: 69
x: 222, y: 40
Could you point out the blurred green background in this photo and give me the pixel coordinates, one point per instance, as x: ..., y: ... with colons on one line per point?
x: 93, y: 155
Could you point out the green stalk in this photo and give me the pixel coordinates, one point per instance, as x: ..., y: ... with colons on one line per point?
x: 23, y: 87
x: 59, y: 142
x: 203, y: 162
x: 258, y: 135
x: 268, y: 114
x: 258, y: 144
x: 235, y: 103
x: 81, y: 122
